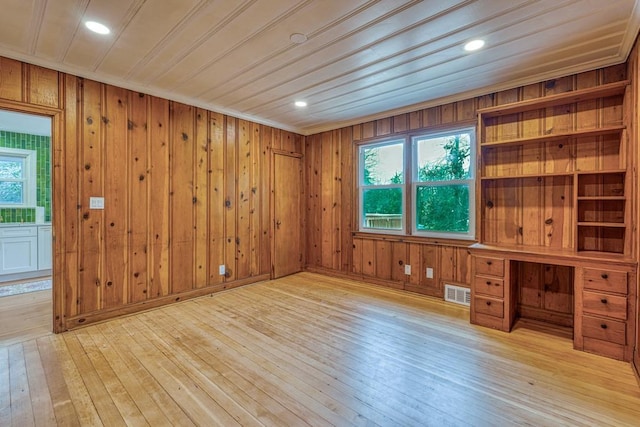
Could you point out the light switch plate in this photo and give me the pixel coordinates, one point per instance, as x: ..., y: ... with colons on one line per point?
x: 96, y: 202
x: 429, y: 273
x: 407, y: 269
x: 222, y: 270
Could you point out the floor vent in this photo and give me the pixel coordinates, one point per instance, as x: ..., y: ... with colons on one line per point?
x: 457, y: 294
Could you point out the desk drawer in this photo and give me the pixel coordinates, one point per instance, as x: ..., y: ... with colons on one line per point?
x: 604, y: 304
x: 490, y: 306
x: 604, y: 329
x: 489, y: 286
x: 489, y: 266
x: 605, y: 280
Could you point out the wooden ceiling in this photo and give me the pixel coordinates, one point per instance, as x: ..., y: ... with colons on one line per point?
x: 362, y: 60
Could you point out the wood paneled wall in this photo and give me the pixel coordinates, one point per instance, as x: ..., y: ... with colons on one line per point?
x: 185, y: 189
x: 333, y: 244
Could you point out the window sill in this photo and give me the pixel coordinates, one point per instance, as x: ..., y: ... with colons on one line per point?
x: 423, y: 240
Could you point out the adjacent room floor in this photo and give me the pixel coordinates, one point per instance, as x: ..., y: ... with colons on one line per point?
x: 310, y: 350
x: 25, y: 310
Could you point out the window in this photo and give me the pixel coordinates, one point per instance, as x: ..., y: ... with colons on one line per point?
x: 17, y: 177
x: 439, y: 195
x: 382, y: 190
x: 443, y: 184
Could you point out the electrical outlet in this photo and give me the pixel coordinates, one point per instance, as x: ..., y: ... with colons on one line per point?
x: 96, y: 202
x: 222, y: 270
x: 407, y: 269
x: 429, y: 273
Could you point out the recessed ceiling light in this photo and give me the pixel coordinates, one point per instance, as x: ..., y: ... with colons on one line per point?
x: 300, y: 104
x: 97, y: 27
x: 474, y: 45
x: 298, y: 38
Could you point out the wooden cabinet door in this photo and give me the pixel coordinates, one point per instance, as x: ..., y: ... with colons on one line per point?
x: 287, y: 195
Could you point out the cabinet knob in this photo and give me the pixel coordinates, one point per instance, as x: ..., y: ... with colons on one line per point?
x: 604, y: 275
x: 603, y: 326
x: 488, y: 282
x: 489, y: 262
x: 488, y: 302
x: 603, y: 300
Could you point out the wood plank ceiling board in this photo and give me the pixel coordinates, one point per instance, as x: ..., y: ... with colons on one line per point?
x: 364, y: 59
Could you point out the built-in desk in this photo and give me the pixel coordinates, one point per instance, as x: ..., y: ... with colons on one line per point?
x: 600, y: 300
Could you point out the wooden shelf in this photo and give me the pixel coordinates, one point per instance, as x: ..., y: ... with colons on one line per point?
x: 544, y: 175
x: 579, y: 95
x: 602, y: 172
x: 556, y: 137
x: 602, y: 224
x: 601, y: 198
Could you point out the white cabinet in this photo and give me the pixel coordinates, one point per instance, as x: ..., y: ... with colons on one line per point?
x: 18, y: 249
x: 44, y: 247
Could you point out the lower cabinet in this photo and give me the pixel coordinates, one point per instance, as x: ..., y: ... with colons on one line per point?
x: 603, y: 294
x: 18, y: 250
x: 25, y: 249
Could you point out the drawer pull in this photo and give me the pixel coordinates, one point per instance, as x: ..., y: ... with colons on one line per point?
x: 604, y: 275
x: 603, y: 326
x: 603, y: 300
x: 488, y: 282
x: 488, y: 302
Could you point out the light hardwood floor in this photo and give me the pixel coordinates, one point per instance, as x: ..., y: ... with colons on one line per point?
x: 310, y: 350
x: 25, y: 316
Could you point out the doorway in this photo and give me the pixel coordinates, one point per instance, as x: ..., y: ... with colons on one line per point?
x: 26, y: 301
x: 287, y: 231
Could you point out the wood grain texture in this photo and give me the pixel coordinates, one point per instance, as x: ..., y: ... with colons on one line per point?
x: 310, y: 350
x: 185, y: 189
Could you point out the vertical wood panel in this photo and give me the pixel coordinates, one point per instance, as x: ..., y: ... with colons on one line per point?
x: 159, y: 203
x: 368, y: 258
x: 201, y: 184
x: 398, y: 261
x: 357, y: 255
x: 230, y: 177
x: 92, y: 244
x: 216, y: 197
x: 181, y: 214
x: 11, y: 79
x: 264, y: 184
x: 336, y: 206
x: 243, y: 205
x: 327, y: 208
x: 255, y: 201
x: 43, y: 86
x: 348, y: 163
x: 383, y: 257
x: 116, y: 192
x: 69, y: 163
x: 139, y: 196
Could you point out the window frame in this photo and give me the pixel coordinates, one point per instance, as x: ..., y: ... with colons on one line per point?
x: 29, y: 180
x: 410, y: 185
x: 362, y: 187
x: 471, y: 182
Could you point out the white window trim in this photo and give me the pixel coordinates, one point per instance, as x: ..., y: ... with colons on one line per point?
x: 471, y: 182
x: 362, y: 187
x: 30, y: 180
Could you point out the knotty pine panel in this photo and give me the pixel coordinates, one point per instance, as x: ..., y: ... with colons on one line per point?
x: 159, y: 204
x: 200, y: 200
x: 181, y: 195
x: 216, y: 200
x: 138, y: 160
x: 172, y: 179
x: 92, y: 251
x: 118, y: 189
